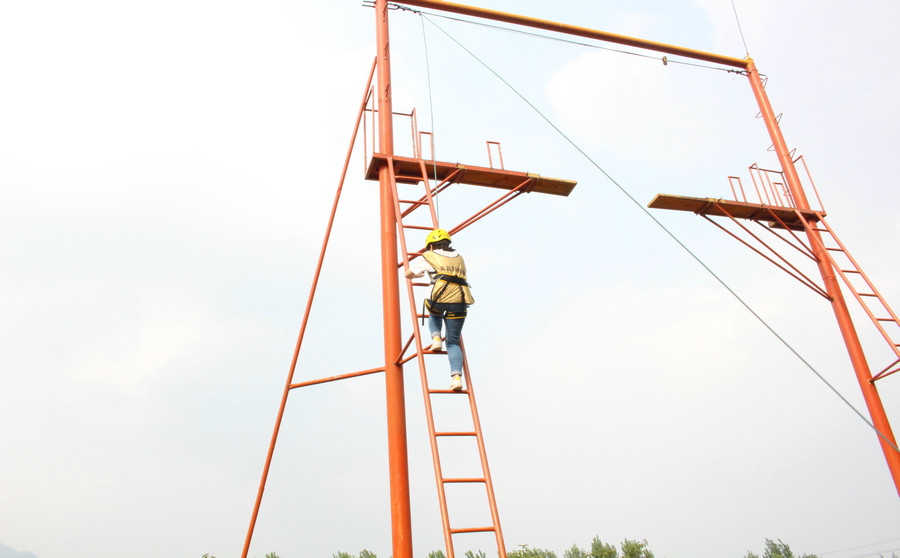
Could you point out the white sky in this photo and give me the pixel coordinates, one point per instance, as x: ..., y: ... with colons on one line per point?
x: 166, y: 172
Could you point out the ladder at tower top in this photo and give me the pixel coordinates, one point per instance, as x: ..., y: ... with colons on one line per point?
x: 874, y: 305
x: 405, y: 210
x: 789, y: 218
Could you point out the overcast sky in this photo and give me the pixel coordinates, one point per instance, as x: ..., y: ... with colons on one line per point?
x: 166, y: 172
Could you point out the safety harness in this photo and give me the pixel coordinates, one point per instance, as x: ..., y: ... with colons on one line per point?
x: 462, y: 298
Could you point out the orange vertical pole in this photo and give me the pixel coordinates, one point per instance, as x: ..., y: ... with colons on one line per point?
x: 838, y: 304
x: 401, y: 523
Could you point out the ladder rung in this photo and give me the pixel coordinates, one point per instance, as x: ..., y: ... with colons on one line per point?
x: 834, y: 249
x: 414, y: 202
x: 465, y: 480
x: 849, y: 271
x: 885, y: 319
x: 419, y: 227
x: 472, y: 530
x: 873, y: 295
x: 431, y: 391
x: 421, y: 284
x: 820, y: 230
x: 454, y: 433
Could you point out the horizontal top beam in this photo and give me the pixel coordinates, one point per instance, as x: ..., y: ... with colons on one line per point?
x: 557, y: 27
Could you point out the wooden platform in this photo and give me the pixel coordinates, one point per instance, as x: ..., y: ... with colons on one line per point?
x: 738, y: 210
x: 478, y: 176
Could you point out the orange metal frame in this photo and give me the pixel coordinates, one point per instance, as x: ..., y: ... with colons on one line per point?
x: 795, y: 190
x: 398, y: 463
x: 416, y: 337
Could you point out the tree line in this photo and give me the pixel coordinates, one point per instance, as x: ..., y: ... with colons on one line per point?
x: 598, y: 549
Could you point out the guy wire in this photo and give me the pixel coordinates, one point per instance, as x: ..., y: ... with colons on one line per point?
x: 741, y: 31
x: 437, y: 207
x: 670, y: 233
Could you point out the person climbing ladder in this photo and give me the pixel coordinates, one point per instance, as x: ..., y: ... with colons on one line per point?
x: 450, y: 297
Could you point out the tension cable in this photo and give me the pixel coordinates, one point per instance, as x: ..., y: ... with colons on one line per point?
x: 670, y: 233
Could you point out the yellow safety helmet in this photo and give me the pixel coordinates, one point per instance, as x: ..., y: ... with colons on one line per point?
x: 436, y: 236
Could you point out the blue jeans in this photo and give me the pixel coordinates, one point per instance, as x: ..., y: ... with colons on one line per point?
x: 454, y: 330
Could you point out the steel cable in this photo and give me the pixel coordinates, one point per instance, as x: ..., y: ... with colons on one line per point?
x: 665, y: 229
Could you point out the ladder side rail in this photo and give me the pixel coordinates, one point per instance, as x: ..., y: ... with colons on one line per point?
x: 365, y: 133
x: 856, y: 294
x: 875, y: 320
x: 432, y: 160
x: 479, y: 436
x: 435, y: 452
x: 859, y: 270
x: 415, y: 204
x: 428, y: 199
x: 429, y: 411
x: 374, y: 111
x: 365, y: 139
x: 430, y: 144
x: 400, y: 226
x: 431, y: 193
x: 432, y: 437
x: 306, y: 313
x: 886, y: 371
x: 428, y: 195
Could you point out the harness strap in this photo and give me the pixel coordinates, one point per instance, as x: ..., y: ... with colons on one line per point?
x: 451, y: 279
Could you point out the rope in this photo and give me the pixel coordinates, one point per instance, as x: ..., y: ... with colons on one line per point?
x: 741, y: 31
x: 437, y: 207
x: 671, y: 234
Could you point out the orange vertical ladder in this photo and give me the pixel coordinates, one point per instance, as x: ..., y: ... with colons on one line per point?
x: 404, y: 208
x: 867, y: 296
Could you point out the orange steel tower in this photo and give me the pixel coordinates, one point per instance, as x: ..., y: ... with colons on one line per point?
x: 806, y: 218
x: 397, y: 210
x: 393, y: 171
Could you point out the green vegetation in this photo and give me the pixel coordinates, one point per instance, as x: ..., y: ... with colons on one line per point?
x: 362, y: 554
x: 525, y: 552
x: 777, y: 550
x: 599, y: 549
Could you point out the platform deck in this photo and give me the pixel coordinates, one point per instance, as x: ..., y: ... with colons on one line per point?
x: 408, y: 171
x: 739, y: 210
